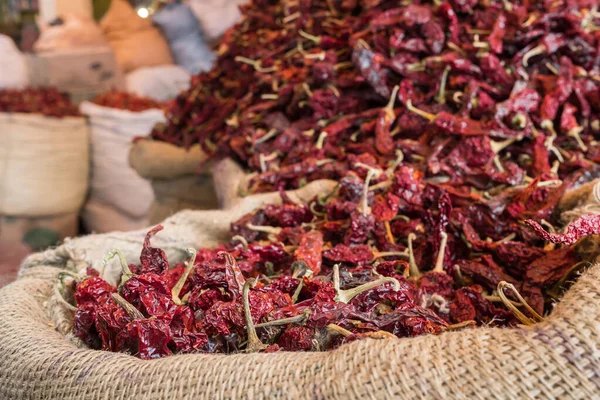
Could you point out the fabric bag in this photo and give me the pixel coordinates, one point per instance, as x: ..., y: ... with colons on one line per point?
x: 44, y: 164
x: 177, y: 178
x: 159, y: 83
x: 113, y: 182
x: 134, y: 40
x: 555, y: 359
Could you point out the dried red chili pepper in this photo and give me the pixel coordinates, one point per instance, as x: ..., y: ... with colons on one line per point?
x: 583, y: 226
x: 45, y: 101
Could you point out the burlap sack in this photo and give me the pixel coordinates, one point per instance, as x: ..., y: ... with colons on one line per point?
x: 44, y: 164
x: 558, y: 358
x: 178, y: 181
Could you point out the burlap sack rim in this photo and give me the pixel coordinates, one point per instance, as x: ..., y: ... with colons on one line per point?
x: 134, y: 376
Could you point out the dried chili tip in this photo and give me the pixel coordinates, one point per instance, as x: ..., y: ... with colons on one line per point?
x: 254, y: 344
x: 179, y: 285
x: 233, y: 273
x: 585, y: 225
x: 510, y: 305
x: 126, y: 273
x: 345, y: 296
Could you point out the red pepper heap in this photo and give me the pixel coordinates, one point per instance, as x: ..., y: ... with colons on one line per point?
x: 126, y: 101
x: 46, y: 101
x: 387, y: 254
x: 478, y: 94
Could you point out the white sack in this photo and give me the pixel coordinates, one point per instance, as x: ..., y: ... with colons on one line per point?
x: 44, y: 164
x: 113, y: 181
x: 13, y: 65
x: 159, y: 83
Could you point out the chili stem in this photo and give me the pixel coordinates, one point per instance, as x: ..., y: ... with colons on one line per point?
x: 179, y: 285
x: 126, y: 273
x: 133, y: 312
x: 439, y: 263
x: 272, y: 230
x: 345, y: 296
x: 284, y: 321
x: 441, y: 97
x: 536, y: 51
x: 421, y: 113
x: 522, y: 317
x: 412, y: 263
x: 254, y: 343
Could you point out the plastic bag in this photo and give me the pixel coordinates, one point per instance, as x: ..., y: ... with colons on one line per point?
x: 182, y: 30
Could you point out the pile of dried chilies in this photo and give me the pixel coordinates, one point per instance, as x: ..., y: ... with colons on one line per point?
x: 492, y: 115
x: 385, y: 255
x: 127, y: 101
x: 479, y: 93
x: 46, y: 101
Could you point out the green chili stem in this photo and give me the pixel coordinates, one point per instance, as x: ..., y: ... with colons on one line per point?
x: 126, y: 272
x: 179, y: 285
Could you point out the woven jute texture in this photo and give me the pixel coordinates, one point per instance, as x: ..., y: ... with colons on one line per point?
x: 557, y: 359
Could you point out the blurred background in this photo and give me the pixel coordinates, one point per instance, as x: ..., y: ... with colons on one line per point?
x: 86, y: 77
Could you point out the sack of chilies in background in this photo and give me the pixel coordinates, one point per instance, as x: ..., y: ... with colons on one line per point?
x: 119, y: 198
x: 180, y: 178
x: 44, y: 164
